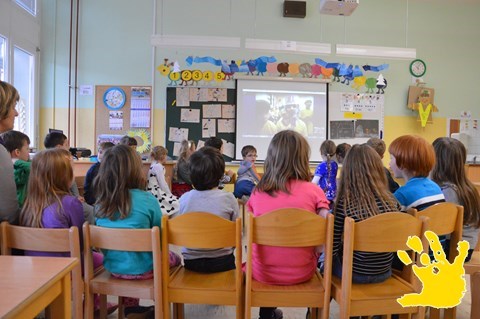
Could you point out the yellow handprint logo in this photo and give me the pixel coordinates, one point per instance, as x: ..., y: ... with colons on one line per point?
x: 443, y: 283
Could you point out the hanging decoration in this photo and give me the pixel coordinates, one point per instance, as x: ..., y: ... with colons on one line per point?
x: 359, y: 77
x: 420, y: 99
x: 144, y: 137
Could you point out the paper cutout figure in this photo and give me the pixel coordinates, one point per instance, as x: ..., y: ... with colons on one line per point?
x: 421, y: 99
x: 443, y: 283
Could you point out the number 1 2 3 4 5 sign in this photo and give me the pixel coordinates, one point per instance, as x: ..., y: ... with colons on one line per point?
x: 114, y: 98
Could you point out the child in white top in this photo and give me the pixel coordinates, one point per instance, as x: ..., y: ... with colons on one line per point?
x: 159, y: 157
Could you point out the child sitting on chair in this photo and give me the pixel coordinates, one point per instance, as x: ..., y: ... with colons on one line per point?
x: 206, y: 170
x: 412, y: 158
x: 17, y: 144
x: 247, y: 176
x: 285, y: 184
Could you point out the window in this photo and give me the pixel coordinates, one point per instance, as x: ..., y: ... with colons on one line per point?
x: 29, y: 5
x: 23, y: 80
x: 3, y: 47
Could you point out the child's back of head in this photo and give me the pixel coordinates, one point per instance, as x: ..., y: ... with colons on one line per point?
x: 450, y: 155
x: 46, y: 185
x: 327, y: 149
x: 287, y: 159
x: 359, y: 192
x: 214, y: 142
x: 206, y: 168
x: 17, y: 144
x: 159, y: 153
x: 341, y: 151
x: 413, y: 154
x: 55, y: 139
x: 378, y: 145
x: 115, y: 180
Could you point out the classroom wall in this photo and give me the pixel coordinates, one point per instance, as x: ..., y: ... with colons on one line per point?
x: 114, y: 48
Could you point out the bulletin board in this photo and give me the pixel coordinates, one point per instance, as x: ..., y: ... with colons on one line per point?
x: 195, y: 113
x: 123, y: 110
x: 355, y: 117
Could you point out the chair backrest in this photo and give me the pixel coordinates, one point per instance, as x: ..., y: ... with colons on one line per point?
x: 288, y: 227
x: 444, y: 219
x: 47, y: 240
x: 387, y: 232
x: 200, y: 230
x: 291, y: 227
x: 137, y: 240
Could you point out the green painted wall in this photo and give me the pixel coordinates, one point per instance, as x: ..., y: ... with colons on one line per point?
x: 114, y: 47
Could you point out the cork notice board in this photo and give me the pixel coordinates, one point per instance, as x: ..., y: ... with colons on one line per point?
x: 129, y: 112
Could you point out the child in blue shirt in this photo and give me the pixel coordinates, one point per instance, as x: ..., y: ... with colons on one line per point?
x: 326, y: 172
x: 122, y: 202
x: 412, y: 158
x: 247, y: 176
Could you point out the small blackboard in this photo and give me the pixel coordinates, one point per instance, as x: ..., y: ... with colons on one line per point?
x: 199, y: 104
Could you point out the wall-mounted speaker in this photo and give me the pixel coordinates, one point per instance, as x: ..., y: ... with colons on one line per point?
x: 294, y: 9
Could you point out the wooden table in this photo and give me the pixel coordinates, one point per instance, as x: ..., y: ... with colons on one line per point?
x: 30, y: 284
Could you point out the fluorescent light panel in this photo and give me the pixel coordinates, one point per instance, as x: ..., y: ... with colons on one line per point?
x: 178, y: 41
x: 376, y: 52
x: 288, y: 46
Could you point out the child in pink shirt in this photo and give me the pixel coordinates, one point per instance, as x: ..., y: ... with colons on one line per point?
x: 285, y: 184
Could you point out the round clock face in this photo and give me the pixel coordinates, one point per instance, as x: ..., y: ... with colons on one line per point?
x: 114, y: 98
x: 418, y: 68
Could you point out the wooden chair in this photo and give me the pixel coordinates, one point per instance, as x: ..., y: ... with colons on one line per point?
x: 444, y: 219
x: 64, y: 240
x: 201, y: 230
x: 472, y: 268
x: 290, y: 227
x: 386, y: 232
x: 137, y: 240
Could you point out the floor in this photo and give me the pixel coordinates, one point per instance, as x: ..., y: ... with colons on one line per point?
x: 224, y: 312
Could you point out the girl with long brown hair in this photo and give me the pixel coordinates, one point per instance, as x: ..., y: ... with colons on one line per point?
x: 285, y: 184
x: 122, y: 202
x: 449, y: 174
x: 362, y: 193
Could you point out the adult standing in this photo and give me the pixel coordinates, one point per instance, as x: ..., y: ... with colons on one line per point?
x: 8, y: 198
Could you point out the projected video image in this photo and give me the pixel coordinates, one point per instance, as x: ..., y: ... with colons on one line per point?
x: 272, y: 113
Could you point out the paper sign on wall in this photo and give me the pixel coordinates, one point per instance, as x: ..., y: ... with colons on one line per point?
x: 226, y: 126
x: 190, y: 116
x: 208, y: 128
x: 228, y: 149
x: 228, y: 111
x: 178, y: 134
x: 212, y: 110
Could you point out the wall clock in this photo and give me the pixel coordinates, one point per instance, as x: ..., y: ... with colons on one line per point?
x: 418, y: 68
x: 114, y: 98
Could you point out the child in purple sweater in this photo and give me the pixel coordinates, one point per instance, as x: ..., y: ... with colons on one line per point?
x: 49, y: 204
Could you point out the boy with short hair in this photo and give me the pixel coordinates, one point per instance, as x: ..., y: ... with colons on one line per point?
x: 17, y: 144
x: 247, y: 176
x: 379, y: 146
x: 206, y: 168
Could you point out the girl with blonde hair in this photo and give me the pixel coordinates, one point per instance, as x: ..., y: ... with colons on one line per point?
x: 362, y: 193
x: 285, y: 184
x: 49, y: 204
x: 8, y: 191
